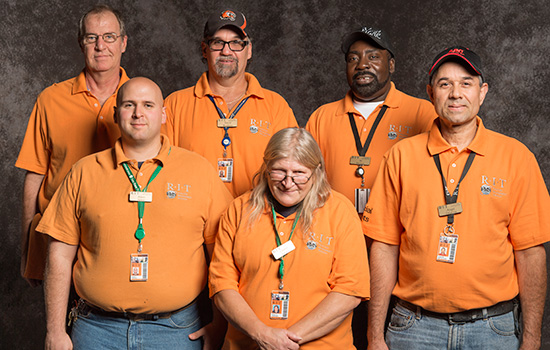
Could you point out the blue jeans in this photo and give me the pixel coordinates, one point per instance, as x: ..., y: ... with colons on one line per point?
x: 92, y: 331
x: 415, y: 331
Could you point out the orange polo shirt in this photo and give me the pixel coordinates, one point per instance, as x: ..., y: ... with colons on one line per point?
x: 336, y: 262
x: 330, y: 126
x: 66, y: 124
x: 192, y: 124
x: 505, y: 203
x: 92, y: 209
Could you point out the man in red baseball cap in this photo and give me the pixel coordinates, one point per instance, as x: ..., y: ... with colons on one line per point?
x: 457, y: 216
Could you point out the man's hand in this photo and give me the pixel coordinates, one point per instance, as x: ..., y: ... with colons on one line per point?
x: 58, y: 341
x: 211, y: 335
x: 377, y: 345
x: 277, y: 339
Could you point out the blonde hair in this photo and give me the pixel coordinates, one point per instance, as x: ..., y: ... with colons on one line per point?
x: 298, y: 144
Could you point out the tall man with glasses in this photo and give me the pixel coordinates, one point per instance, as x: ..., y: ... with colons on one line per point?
x: 70, y: 120
x: 227, y: 117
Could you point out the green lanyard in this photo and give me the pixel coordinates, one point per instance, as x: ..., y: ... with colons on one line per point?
x: 140, y: 233
x: 282, y: 262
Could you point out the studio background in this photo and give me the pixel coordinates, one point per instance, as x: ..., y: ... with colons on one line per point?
x: 296, y: 52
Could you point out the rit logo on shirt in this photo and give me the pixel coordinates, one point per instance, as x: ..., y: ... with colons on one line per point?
x: 322, y: 238
x: 263, y: 124
x: 178, y: 191
x: 493, y: 182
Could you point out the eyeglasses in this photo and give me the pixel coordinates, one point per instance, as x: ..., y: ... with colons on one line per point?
x: 107, y: 37
x: 234, y: 45
x: 280, y: 176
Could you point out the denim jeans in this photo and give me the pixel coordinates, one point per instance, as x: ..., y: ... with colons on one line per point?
x: 414, y: 331
x: 92, y: 331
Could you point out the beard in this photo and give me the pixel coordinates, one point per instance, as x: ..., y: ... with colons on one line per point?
x: 367, y: 90
x: 225, y: 71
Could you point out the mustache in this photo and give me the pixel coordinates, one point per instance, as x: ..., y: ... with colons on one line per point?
x: 227, y: 58
x: 360, y: 74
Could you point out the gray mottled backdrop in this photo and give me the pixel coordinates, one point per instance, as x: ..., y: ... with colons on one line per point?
x: 295, y: 52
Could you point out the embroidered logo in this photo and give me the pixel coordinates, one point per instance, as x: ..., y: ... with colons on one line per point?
x: 178, y: 191
x: 228, y: 15
x: 494, y: 186
x: 322, y: 243
x: 457, y: 51
x: 311, y: 245
x: 399, y: 132
x: 260, y: 127
x: 371, y: 32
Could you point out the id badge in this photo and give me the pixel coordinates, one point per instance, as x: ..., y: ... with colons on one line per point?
x: 225, y: 169
x: 226, y: 123
x: 139, y: 267
x: 358, y: 160
x: 283, y: 250
x: 136, y: 196
x: 279, y: 305
x: 446, y: 249
x: 449, y: 209
x: 361, y: 199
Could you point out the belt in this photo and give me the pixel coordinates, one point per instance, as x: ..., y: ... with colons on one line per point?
x: 84, y: 308
x: 468, y: 315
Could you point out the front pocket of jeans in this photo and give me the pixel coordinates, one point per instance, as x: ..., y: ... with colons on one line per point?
x: 503, y: 324
x: 401, y: 318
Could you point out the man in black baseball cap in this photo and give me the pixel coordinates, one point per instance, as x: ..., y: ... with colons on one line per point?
x: 355, y: 132
x: 457, y: 217
x: 227, y: 117
x: 373, y: 106
x: 226, y: 18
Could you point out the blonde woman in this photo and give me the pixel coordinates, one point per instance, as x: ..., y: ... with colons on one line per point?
x: 290, y: 262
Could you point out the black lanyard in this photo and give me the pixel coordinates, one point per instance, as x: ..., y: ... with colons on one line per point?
x: 448, y: 198
x: 226, y: 141
x: 362, y: 150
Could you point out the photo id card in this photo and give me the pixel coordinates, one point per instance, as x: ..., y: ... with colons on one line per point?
x: 361, y: 199
x: 446, y: 249
x: 279, y: 305
x: 225, y: 169
x: 139, y: 267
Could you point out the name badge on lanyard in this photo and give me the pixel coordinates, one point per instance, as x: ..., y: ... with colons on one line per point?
x: 448, y: 239
x: 362, y: 193
x: 227, y: 123
x: 139, y: 262
x: 138, y: 196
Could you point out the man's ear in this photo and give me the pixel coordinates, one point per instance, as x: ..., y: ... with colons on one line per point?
x: 430, y: 92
